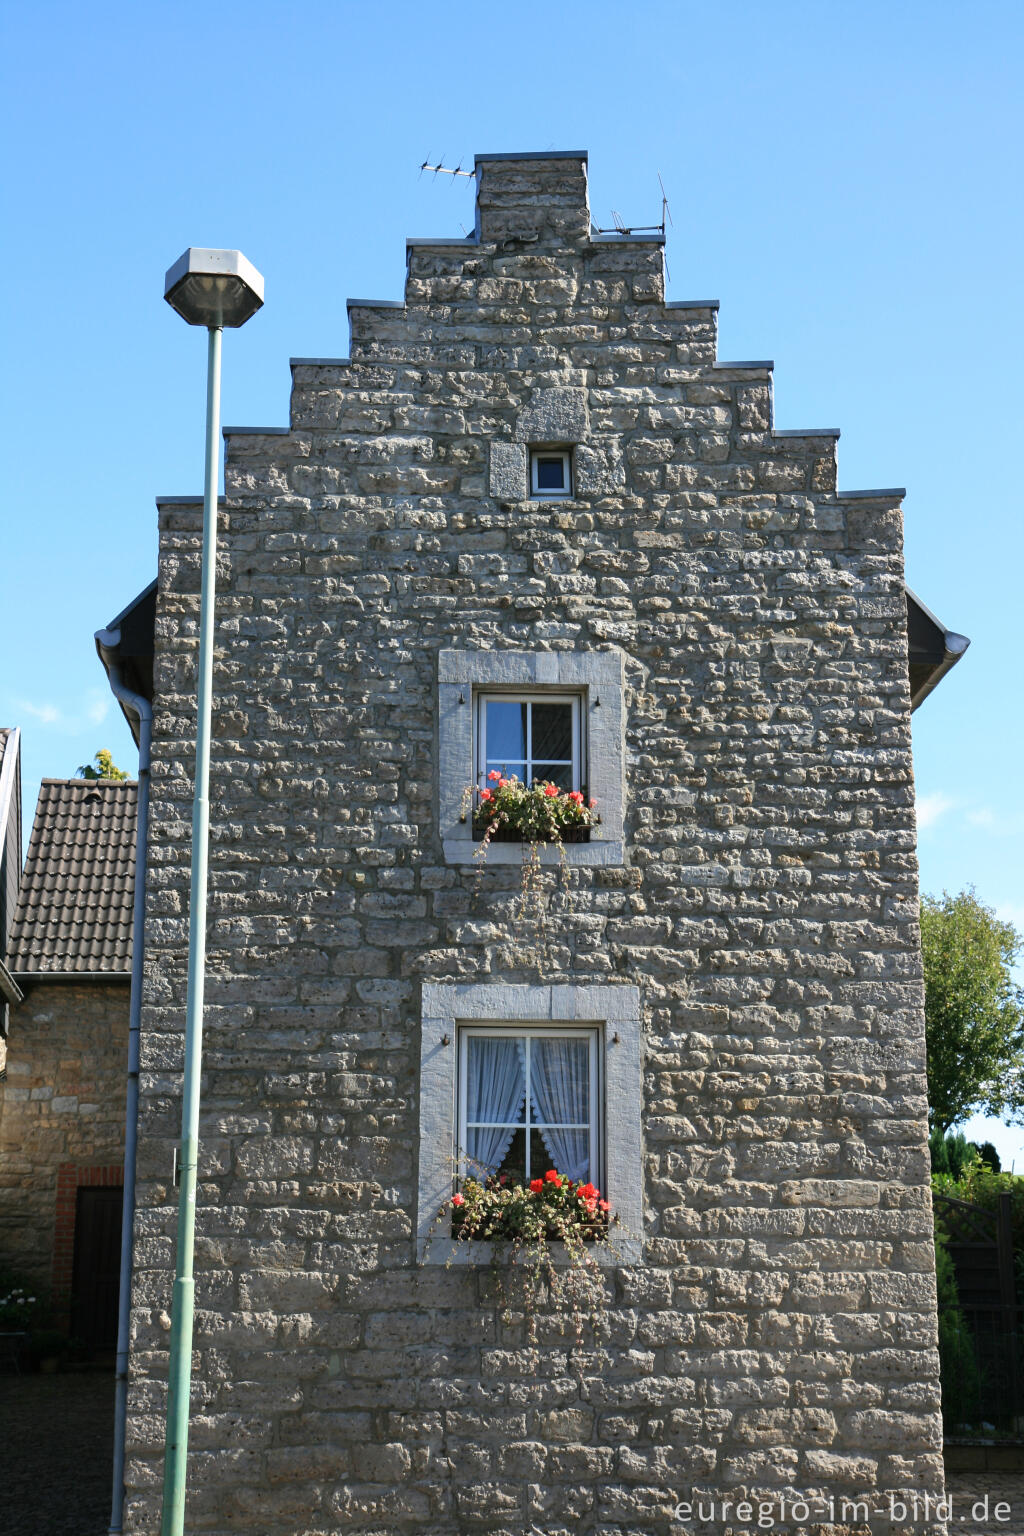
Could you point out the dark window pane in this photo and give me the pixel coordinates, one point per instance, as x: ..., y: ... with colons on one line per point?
x: 551, y: 474
x: 514, y: 1165
x: 565, y: 1151
x: 506, y: 730
x: 552, y: 731
x: 558, y: 773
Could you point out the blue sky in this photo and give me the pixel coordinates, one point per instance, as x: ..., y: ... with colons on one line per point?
x: 844, y: 177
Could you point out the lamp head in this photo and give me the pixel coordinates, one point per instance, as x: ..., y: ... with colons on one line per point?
x: 214, y: 288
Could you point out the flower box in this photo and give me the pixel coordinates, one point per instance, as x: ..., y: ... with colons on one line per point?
x: 552, y: 1209
x: 514, y: 835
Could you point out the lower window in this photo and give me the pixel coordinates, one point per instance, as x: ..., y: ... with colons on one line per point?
x: 518, y: 1079
x: 529, y: 1100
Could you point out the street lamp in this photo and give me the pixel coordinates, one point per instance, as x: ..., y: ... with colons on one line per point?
x: 215, y: 289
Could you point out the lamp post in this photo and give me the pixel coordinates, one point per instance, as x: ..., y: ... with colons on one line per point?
x: 215, y: 289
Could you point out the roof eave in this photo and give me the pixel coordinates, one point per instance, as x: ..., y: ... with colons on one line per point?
x: 953, y: 647
x: 9, y: 989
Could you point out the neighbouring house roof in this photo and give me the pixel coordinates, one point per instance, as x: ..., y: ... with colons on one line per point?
x: 74, y: 913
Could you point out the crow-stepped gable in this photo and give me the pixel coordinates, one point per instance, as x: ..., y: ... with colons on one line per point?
x: 700, y: 622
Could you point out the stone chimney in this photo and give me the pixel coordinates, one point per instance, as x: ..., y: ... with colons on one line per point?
x: 533, y: 197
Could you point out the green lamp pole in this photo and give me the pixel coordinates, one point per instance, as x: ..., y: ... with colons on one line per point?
x: 215, y: 289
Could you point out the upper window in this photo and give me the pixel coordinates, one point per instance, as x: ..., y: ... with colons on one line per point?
x: 554, y: 715
x: 550, y: 472
x: 528, y: 1101
x: 531, y: 738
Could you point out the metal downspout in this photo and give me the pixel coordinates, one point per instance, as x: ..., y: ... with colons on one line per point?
x: 107, y: 642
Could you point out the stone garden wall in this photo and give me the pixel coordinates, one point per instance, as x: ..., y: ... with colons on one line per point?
x: 61, y: 1118
x: 778, y: 1335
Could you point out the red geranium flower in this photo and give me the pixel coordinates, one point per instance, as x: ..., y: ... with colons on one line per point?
x: 536, y: 1185
x: 550, y: 790
x: 603, y: 1205
x: 486, y: 794
x: 494, y: 774
x: 552, y: 1177
x: 575, y: 797
x: 588, y: 1191
x: 458, y: 1199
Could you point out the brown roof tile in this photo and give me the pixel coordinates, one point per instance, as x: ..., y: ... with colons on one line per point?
x: 75, y: 904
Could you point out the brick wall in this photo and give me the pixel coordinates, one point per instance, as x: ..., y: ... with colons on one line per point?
x: 779, y: 1334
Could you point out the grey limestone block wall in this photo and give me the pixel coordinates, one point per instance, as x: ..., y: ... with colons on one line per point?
x: 777, y: 1333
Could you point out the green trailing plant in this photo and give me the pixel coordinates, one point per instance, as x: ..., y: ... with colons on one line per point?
x: 508, y: 810
x: 542, y: 1237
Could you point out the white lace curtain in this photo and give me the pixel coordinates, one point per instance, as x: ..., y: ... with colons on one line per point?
x: 496, y: 1091
x: 560, y: 1092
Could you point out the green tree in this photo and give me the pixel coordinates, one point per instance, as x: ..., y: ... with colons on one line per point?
x: 974, y: 1011
x: 105, y: 768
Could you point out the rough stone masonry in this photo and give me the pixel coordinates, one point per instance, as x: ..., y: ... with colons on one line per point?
x: 777, y: 1336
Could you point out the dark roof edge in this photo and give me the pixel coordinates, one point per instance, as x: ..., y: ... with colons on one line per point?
x: 36, y: 978
x: 807, y: 432
x: 537, y: 154
x: 9, y: 988
x: 756, y: 366
x: 255, y: 431
x: 126, y: 610
x: 954, y: 645
x: 887, y: 493
x: 91, y: 783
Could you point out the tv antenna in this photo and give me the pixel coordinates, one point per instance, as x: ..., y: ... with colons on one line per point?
x: 618, y: 227
x: 440, y: 169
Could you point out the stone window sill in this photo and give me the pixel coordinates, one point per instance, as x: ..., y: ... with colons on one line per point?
x: 598, y: 852
x: 449, y: 1251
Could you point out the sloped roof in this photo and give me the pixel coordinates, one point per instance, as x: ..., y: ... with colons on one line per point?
x: 74, y: 910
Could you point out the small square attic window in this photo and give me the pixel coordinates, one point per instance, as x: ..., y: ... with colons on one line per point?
x: 550, y: 473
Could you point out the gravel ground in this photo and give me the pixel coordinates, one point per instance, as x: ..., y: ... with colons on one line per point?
x: 968, y: 1489
x: 56, y: 1443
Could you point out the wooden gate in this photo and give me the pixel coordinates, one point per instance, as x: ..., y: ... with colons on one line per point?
x: 97, y: 1264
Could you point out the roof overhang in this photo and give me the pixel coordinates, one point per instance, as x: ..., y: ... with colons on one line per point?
x: 9, y: 989
x: 932, y: 649
x: 129, y: 639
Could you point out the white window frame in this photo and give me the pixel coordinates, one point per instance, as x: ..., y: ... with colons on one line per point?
x: 614, y: 1013
x: 528, y: 1033
x: 597, y: 678
x: 483, y: 697
x: 546, y: 494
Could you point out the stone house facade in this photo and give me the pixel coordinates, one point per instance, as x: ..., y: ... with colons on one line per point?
x: 62, y: 1098
x: 740, y: 957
